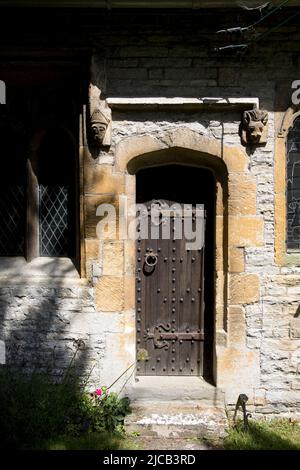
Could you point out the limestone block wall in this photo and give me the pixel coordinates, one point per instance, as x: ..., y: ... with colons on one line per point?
x: 249, y: 361
x: 42, y: 327
x: 257, y: 329
x: 236, y: 288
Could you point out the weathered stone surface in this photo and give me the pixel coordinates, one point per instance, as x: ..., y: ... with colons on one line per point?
x: 295, y: 328
x: 246, y: 231
x: 283, y: 396
x: 100, y: 179
x: 128, y: 149
x: 121, y: 347
x: 129, y: 292
x: 220, y: 282
x: 296, y: 384
x: 110, y: 294
x: 289, y: 279
x: 244, y: 288
x: 280, y: 187
x: 237, y: 362
x: 260, y: 397
x: 219, y: 200
x: 236, y: 260
x: 113, y: 258
x: 219, y: 258
x: 258, y: 258
x: 183, y: 137
x: 130, y: 256
x: 235, y: 159
x: 242, y: 194
x: 91, y: 249
x: 237, y: 326
x: 130, y: 186
x: 43, y: 327
x: 91, y: 204
x: 220, y: 248
x: 133, y: 148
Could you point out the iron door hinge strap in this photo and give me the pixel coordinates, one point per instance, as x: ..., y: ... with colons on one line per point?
x: 161, y: 338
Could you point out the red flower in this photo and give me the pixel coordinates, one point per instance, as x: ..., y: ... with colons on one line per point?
x: 98, y: 392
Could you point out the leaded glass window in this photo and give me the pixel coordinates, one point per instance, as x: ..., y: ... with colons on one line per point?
x: 56, y: 180
x: 39, y: 172
x: 12, y: 191
x: 54, y: 220
x: 293, y: 187
x: 37, y: 195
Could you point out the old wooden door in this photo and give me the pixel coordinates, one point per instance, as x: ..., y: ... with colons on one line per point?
x: 170, y: 290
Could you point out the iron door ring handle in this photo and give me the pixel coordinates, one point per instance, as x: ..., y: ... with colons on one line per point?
x: 151, y: 259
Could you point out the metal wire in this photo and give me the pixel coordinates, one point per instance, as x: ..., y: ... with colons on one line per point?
x: 246, y: 28
x: 244, y: 46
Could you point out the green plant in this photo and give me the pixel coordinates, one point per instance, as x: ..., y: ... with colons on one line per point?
x: 33, y: 409
x: 111, y: 408
x: 112, y: 411
x: 135, y: 434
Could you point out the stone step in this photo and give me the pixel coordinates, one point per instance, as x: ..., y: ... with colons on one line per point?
x: 176, y: 419
x: 175, y: 407
x: 167, y: 389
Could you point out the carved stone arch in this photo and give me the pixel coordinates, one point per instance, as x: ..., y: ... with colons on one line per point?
x: 239, y: 226
x: 179, y: 156
x: 128, y: 149
x: 186, y: 147
x: 288, y: 120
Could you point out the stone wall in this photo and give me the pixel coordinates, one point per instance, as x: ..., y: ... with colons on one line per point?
x: 166, y: 55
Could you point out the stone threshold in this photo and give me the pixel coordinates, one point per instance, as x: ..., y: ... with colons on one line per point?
x: 171, y: 388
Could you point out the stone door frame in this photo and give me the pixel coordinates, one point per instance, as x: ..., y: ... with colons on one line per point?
x: 237, y: 227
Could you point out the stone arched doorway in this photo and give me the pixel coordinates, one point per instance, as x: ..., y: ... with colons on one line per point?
x: 175, y: 266
x: 196, y: 162
x: 237, y: 228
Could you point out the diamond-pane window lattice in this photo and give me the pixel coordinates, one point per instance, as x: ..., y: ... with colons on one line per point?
x: 293, y: 187
x: 54, y: 220
x: 12, y: 217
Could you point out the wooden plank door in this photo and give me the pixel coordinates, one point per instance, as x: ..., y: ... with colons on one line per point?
x: 170, y: 293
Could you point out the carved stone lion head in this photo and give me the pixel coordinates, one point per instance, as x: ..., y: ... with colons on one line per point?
x: 254, y: 127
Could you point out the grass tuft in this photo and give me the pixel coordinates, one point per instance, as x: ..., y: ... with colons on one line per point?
x: 91, y: 441
x: 276, y: 434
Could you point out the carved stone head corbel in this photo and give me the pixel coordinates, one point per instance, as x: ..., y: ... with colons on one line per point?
x: 254, y: 128
x: 100, y: 127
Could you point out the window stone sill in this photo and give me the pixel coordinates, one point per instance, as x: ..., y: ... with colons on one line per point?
x: 40, y: 271
x: 292, y: 258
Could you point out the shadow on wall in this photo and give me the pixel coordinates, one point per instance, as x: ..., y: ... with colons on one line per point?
x: 38, y: 319
x: 297, y: 313
x: 35, y: 324
x: 49, y: 362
